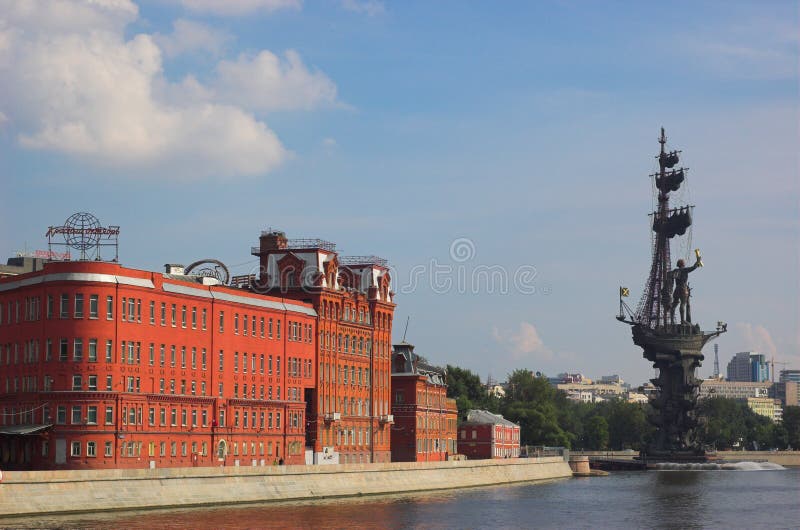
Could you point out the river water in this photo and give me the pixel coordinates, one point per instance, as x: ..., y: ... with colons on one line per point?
x: 633, y: 499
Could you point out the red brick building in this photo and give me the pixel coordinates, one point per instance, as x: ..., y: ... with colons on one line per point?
x: 348, y: 411
x: 487, y: 435
x: 424, y: 417
x: 105, y: 366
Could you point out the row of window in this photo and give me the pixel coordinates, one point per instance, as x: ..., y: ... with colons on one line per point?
x: 357, y: 375
x: 350, y: 436
x: 131, y: 351
x: 133, y: 449
x: 334, y: 311
x: 131, y: 311
x: 436, y: 445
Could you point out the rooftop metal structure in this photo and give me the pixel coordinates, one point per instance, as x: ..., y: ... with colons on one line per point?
x: 300, y: 244
x: 363, y: 260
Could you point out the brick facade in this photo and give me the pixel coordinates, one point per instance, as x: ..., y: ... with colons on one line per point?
x: 106, y: 366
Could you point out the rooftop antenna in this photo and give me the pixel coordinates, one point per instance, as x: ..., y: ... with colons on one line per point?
x: 406, y: 330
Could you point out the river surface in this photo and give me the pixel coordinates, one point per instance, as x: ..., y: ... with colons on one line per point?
x: 632, y: 499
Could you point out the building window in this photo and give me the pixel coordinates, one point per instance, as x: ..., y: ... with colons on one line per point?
x: 109, y: 350
x: 93, y: 305
x: 77, y: 382
x: 221, y: 321
x: 61, y: 415
x: 91, y: 414
x: 76, y: 449
x: 109, y: 307
x: 109, y: 449
x: 77, y: 350
x: 79, y: 305
x: 64, y: 307
x: 194, y: 318
x: 92, y: 350
x: 163, y: 314
x: 183, y: 316
x: 76, y: 415
x: 93, y: 382
x: 174, y: 315
x: 109, y: 415
x: 152, y: 312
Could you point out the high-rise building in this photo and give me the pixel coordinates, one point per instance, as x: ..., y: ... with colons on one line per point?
x: 748, y: 367
x: 349, y: 410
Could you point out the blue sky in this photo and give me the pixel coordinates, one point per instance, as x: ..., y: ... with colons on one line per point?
x: 521, y: 133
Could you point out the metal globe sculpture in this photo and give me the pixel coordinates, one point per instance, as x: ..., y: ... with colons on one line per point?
x: 82, y: 231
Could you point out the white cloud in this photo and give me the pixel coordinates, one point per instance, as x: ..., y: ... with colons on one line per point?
x: 239, y: 7
x: 524, y: 343
x: 763, y: 48
x: 189, y: 36
x: 368, y: 7
x: 83, y: 89
x: 756, y: 338
x: 267, y: 83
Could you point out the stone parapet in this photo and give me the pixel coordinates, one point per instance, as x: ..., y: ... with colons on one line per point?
x: 38, y: 492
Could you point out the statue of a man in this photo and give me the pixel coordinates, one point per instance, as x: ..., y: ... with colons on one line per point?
x: 681, y: 293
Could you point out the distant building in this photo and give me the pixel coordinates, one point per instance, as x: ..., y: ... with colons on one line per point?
x: 599, y: 391
x: 788, y: 392
x: 771, y: 408
x: 748, y: 367
x: 486, y: 435
x: 21, y: 265
x: 734, y: 389
x: 636, y: 397
x: 582, y: 396
x: 790, y: 375
x: 496, y: 390
x: 424, y: 417
x: 612, y: 379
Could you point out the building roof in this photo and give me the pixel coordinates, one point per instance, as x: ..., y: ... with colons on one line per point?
x: 486, y: 417
x: 414, y: 364
x: 24, y: 429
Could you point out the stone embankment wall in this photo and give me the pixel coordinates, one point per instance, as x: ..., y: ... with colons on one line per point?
x: 38, y: 492
x: 784, y: 458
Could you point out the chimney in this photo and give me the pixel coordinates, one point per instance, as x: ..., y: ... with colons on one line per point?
x: 174, y: 268
x: 272, y: 240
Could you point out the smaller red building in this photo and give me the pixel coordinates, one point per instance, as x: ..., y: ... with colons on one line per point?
x: 487, y: 435
x: 425, y: 418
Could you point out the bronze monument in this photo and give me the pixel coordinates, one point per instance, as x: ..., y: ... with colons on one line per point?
x: 674, y: 348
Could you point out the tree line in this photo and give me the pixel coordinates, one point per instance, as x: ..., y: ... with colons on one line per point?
x: 547, y: 417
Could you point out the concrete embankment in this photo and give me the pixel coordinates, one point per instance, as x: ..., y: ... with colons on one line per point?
x: 784, y: 458
x: 38, y: 492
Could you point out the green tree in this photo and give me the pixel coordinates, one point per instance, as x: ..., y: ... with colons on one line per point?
x: 628, y: 427
x: 791, y: 424
x: 530, y: 402
x: 466, y: 388
x: 596, y: 436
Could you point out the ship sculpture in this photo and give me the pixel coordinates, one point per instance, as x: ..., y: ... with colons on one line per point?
x: 672, y: 342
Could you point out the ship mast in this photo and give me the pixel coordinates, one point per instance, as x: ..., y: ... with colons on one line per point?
x: 653, y: 310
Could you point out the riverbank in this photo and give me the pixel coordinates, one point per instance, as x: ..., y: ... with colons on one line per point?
x: 783, y: 458
x: 60, y: 492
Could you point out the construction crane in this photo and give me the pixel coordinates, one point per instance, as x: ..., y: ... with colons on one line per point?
x: 773, y: 362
